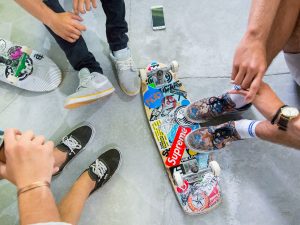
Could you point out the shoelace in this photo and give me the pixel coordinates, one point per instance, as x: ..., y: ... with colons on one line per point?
x: 99, y: 168
x: 125, y: 64
x: 213, y: 102
x: 85, y: 80
x: 71, y: 143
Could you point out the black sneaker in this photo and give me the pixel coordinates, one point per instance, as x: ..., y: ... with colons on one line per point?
x: 102, y: 169
x: 75, y: 142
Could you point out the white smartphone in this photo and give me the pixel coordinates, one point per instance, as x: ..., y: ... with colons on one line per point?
x: 158, y: 20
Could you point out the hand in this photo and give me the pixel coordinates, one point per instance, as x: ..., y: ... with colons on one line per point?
x: 29, y: 158
x: 79, y: 5
x: 66, y: 25
x: 249, y: 66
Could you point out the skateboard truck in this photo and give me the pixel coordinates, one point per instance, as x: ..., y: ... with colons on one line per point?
x: 14, y: 78
x: 174, y: 67
x: 191, y: 177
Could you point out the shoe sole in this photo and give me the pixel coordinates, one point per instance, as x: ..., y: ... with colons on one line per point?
x: 82, y: 150
x: 73, y: 103
x: 129, y: 93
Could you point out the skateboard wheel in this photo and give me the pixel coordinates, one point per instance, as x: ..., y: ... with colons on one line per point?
x: 12, y: 79
x: 143, y: 75
x: 26, y: 50
x: 215, y: 167
x: 174, y: 66
x: 178, y: 179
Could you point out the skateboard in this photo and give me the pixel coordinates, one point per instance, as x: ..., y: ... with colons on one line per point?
x: 27, y: 69
x: 194, y: 176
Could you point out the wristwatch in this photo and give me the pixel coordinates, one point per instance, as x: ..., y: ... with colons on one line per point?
x: 287, y: 113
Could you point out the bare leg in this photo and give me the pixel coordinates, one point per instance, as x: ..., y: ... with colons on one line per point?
x: 283, y: 27
x: 293, y: 44
x: 72, y: 204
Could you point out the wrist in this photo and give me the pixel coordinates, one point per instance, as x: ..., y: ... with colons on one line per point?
x: 36, y: 185
x: 48, y: 17
x: 255, y: 35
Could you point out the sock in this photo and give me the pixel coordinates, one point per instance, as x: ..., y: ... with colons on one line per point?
x: 122, y: 54
x: 246, y: 128
x: 239, y: 100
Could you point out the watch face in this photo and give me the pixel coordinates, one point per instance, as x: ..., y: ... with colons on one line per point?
x: 290, y: 111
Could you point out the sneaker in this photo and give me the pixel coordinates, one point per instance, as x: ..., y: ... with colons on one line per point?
x: 102, y: 169
x: 209, y: 108
x: 92, y: 86
x: 212, y: 138
x: 74, y: 143
x: 128, y: 76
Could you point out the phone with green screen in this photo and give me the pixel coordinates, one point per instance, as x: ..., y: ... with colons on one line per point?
x: 158, y: 20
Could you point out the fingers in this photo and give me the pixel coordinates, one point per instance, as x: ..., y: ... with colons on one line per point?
x: 3, y: 173
x: 88, y: 5
x: 248, y: 79
x: 253, y: 89
x: 94, y: 3
x: 39, y: 140
x: 81, y: 6
x: 55, y: 170
x: 240, y: 75
x: 75, y: 7
x: 79, y: 26
x: 239, y: 92
x: 76, y: 17
x: 235, y: 69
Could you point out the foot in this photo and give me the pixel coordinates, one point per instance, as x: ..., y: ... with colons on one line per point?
x: 92, y: 86
x: 72, y: 144
x: 212, y: 138
x: 102, y: 169
x: 128, y: 77
x: 207, y: 109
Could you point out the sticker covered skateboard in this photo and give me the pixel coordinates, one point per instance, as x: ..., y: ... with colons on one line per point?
x: 194, y: 176
x: 27, y: 69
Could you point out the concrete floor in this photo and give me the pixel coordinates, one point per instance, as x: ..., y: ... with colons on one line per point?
x: 260, y: 180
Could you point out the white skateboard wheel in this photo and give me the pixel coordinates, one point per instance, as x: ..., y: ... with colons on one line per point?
x: 12, y: 79
x: 143, y: 75
x: 174, y: 66
x: 215, y: 167
x: 178, y: 179
x: 26, y: 50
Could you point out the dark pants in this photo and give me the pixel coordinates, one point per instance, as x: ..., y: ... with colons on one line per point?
x: 116, y: 29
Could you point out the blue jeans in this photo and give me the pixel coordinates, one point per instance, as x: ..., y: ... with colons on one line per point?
x: 116, y: 29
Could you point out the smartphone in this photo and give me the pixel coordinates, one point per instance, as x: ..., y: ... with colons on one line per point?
x: 158, y: 20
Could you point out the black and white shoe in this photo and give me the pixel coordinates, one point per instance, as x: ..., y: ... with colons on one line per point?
x: 75, y: 142
x: 102, y: 169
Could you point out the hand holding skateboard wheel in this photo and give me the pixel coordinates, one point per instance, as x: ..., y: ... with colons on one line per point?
x: 215, y: 167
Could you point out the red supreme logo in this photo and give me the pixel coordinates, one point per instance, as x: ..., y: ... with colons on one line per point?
x: 178, y: 147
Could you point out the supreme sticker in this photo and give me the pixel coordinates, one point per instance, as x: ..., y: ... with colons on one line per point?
x: 178, y: 147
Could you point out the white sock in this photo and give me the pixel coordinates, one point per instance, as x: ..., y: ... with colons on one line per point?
x: 246, y: 128
x: 238, y: 99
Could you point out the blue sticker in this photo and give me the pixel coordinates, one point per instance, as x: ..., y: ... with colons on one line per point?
x: 202, y: 160
x: 185, y: 102
x: 153, y: 98
x: 172, y: 133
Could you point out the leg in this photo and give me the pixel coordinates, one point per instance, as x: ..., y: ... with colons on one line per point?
x: 291, y: 138
x: 72, y: 204
x: 77, y: 53
x: 116, y: 26
x: 282, y: 28
x: 293, y: 44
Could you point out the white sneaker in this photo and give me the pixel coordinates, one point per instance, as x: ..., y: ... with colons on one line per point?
x: 92, y: 86
x: 128, y: 76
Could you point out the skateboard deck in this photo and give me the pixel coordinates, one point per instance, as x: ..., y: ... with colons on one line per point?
x: 194, y: 176
x: 27, y: 69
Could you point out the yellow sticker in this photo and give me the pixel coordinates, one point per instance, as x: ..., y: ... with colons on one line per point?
x: 160, y: 136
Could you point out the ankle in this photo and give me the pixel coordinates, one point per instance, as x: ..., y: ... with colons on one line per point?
x: 86, y: 181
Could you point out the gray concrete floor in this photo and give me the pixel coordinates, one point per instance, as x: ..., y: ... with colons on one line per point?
x: 260, y: 180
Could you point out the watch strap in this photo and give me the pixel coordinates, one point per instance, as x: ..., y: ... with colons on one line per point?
x: 277, y: 114
x: 282, y: 123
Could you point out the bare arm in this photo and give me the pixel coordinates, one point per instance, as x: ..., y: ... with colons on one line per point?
x: 29, y: 159
x: 250, y: 60
x: 66, y: 25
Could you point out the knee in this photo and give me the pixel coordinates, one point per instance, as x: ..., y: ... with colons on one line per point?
x: 293, y: 44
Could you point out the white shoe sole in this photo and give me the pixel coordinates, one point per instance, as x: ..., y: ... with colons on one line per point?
x: 76, y: 102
